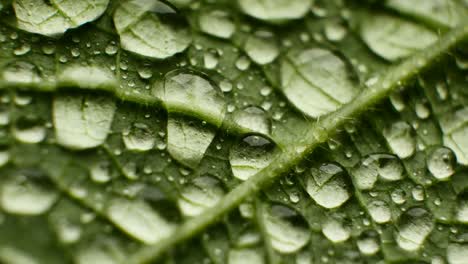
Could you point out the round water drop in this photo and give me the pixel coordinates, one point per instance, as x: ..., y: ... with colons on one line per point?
x: 422, y: 111
x: 398, y: 196
x: 29, y: 131
x: 145, y: 72
x: 327, y: 185
x: 418, y: 193
x: 397, y: 101
x: 242, y: 63
x: 245, y: 256
x: 111, y: 49
x: 4, y: 157
x: 253, y: 118
x: 400, y: 138
x: 287, y: 229
x: 413, y: 227
x: 275, y: 10
x: 151, y: 28
x: 192, y: 93
x: 335, y: 231
x: 202, y: 193
x: 368, y: 243
x: 20, y: 195
x: 100, y: 172
x: 210, y: 59
x: 139, y: 137
x: 386, y: 166
x: 22, y: 50
x: 441, y: 163
x: 379, y: 211
x: 226, y: 86
x: 252, y: 154
x: 262, y: 47
x: 217, y: 23
x: 68, y: 232
x: 21, y: 72
x: 457, y: 253
x: 335, y: 31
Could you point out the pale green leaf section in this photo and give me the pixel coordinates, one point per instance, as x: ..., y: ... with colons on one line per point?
x: 139, y: 220
x: 82, y: 122
x: 187, y: 142
x: 316, y: 81
x: 394, y: 38
x: 275, y: 10
x: 445, y: 12
x: 88, y: 77
x: 146, y: 29
x: 54, y: 17
x: 455, y: 128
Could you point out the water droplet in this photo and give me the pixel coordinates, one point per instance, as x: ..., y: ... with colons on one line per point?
x: 210, y: 59
x: 335, y: 231
x: 145, y: 72
x: 422, y: 111
x: 418, y: 193
x: 75, y: 52
x: 250, y: 156
x: 287, y: 229
x: 413, y: 227
x: 22, y: 50
x: 68, y: 232
x: 335, y: 30
x: 138, y: 137
x: 100, y: 172
x: 254, y: 119
x: 242, y: 63
x: 21, y: 72
x: 441, y: 163
x: 400, y: 138
x: 29, y: 131
x: 462, y: 207
x: 276, y: 10
x: 327, y: 185
x: 226, y: 86
x: 20, y: 195
x: 202, y: 193
x: 111, y: 49
x: 379, y: 211
x: 48, y: 49
x: 456, y: 253
x: 368, y: 244
x: 386, y: 166
x: 139, y: 220
x: 262, y: 47
x: 217, y: 23
x: 398, y: 196
x: 192, y: 93
x: 164, y: 30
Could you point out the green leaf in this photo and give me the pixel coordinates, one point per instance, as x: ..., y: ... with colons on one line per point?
x: 233, y: 132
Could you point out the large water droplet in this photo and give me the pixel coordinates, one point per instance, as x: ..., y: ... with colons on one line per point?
x: 139, y: 137
x: 82, y: 122
x: 21, y: 72
x: 413, y: 228
x: 287, y: 229
x: 368, y: 243
x: 139, y: 220
x: 262, y: 47
x: 400, y: 138
x: 386, y: 166
x: 29, y: 131
x: 188, y: 140
x: 254, y: 119
x: 20, y: 195
x: 275, y: 10
x: 317, y: 81
x: 200, y: 194
x: 151, y: 28
x: 327, y: 185
x: 192, y: 93
x: 335, y: 30
x: 335, y: 231
x: 379, y: 211
x: 250, y: 156
x: 441, y: 163
x: 217, y: 23
x: 457, y: 253
x: 100, y: 172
